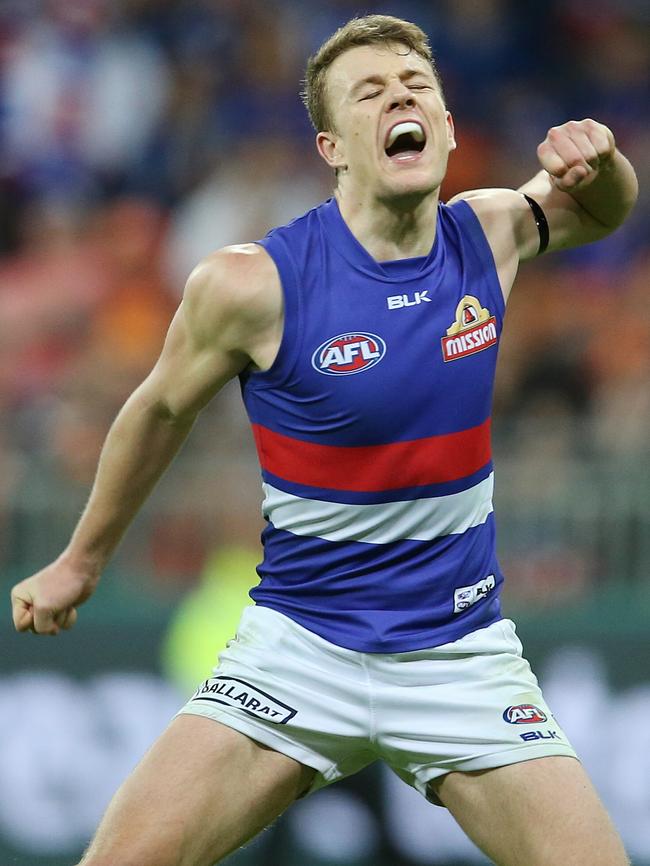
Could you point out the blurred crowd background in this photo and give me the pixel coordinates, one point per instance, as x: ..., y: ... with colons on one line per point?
x: 136, y: 137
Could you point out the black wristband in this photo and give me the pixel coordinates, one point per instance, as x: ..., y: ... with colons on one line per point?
x: 540, y: 222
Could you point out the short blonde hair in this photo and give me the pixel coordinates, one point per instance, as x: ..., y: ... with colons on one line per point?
x: 369, y: 30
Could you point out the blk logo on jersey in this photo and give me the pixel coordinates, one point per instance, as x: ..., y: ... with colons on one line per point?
x: 524, y: 714
x: 348, y: 353
x: 399, y: 302
x: 473, y: 330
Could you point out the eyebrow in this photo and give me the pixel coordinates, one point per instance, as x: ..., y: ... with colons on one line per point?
x: 379, y: 79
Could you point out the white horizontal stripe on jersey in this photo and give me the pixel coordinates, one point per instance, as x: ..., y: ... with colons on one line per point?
x: 411, y: 519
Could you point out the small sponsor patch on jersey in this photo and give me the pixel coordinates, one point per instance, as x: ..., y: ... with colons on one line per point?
x: 234, y: 692
x: 473, y: 330
x: 350, y: 353
x: 466, y: 596
x: 524, y: 714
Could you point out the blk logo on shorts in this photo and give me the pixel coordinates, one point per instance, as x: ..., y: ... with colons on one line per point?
x: 524, y: 714
x: 348, y: 353
x: 234, y: 692
x: 529, y: 736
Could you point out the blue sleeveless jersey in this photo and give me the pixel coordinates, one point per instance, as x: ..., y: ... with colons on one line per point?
x: 373, y: 432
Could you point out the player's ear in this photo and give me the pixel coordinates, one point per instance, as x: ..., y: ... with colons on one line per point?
x: 329, y: 146
x: 451, y: 133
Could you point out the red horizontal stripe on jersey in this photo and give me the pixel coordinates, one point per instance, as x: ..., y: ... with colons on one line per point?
x: 432, y: 460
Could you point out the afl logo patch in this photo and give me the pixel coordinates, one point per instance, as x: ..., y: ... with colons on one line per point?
x: 348, y: 354
x: 524, y: 714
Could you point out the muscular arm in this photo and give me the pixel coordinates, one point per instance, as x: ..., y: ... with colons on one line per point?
x: 229, y: 318
x: 586, y: 189
x: 199, y: 356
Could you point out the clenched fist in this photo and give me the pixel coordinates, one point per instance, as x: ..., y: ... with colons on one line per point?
x: 47, y: 602
x: 573, y: 154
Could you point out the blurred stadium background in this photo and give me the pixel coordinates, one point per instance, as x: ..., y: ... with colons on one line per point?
x: 138, y: 136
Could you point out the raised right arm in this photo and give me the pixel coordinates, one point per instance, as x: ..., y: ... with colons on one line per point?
x: 229, y: 318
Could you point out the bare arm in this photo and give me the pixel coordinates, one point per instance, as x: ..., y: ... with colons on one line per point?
x: 225, y: 322
x: 586, y: 189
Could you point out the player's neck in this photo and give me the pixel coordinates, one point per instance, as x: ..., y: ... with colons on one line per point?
x: 390, y: 231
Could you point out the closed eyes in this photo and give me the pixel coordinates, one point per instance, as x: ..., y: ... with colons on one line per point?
x: 378, y: 92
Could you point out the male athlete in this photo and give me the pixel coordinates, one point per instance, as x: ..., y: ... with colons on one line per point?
x: 365, y: 336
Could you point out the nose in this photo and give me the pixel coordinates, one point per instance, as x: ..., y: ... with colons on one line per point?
x: 400, y: 97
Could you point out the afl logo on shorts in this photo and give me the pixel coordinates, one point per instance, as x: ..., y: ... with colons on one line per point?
x: 524, y: 714
x: 348, y: 354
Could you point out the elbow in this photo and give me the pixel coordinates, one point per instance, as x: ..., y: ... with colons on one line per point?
x: 174, y: 417
x: 162, y: 410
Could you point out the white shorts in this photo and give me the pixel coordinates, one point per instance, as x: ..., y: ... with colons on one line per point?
x: 468, y: 705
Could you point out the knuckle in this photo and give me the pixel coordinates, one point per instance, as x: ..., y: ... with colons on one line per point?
x: 546, y: 152
x: 43, y: 614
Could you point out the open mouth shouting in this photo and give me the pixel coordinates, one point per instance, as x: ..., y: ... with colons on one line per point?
x: 405, y: 141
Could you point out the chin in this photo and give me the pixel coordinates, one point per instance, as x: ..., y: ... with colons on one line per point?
x: 411, y: 187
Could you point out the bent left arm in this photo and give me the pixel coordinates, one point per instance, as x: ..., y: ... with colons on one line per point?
x: 586, y: 188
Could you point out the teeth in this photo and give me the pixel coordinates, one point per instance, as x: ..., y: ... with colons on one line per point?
x: 409, y: 126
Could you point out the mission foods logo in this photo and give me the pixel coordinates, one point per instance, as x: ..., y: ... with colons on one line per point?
x: 473, y: 330
x: 348, y: 354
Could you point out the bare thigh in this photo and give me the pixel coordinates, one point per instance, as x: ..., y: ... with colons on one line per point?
x: 543, y: 812
x: 200, y: 792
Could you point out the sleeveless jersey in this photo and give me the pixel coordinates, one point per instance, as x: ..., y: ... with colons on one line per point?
x: 372, y: 428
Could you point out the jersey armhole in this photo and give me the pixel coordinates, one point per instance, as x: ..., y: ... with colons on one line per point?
x: 473, y: 232
x: 289, y: 348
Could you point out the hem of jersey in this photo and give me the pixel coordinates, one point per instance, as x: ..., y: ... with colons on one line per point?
x: 478, y: 239
x: 426, y: 773
x: 292, y: 332
x: 326, y: 771
x: 386, y: 647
